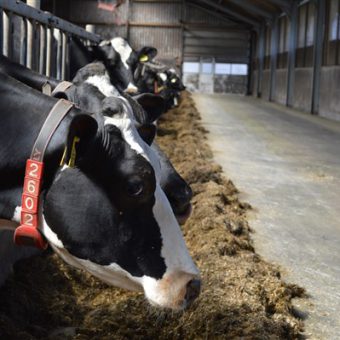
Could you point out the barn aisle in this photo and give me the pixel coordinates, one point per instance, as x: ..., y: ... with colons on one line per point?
x: 286, y: 164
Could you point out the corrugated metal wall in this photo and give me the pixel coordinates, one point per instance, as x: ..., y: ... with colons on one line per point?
x: 206, y: 35
x: 179, y: 30
x: 157, y: 24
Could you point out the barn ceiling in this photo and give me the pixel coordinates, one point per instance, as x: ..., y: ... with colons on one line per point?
x: 252, y: 13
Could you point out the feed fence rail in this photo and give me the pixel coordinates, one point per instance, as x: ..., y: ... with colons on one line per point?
x: 38, y: 39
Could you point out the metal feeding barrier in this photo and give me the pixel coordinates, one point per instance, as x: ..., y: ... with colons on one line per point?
x: 43, y: 40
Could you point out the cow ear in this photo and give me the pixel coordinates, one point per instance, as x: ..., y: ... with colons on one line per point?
x: 147, y: 132
x: 153, y: 105
x: 82, y: 128
x: 147, y: 53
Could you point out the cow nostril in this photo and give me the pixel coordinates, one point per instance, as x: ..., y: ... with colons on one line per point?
x: 193, y: 291
x: 188, y: 193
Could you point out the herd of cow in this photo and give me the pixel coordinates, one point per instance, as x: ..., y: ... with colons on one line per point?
x: 111, y: 202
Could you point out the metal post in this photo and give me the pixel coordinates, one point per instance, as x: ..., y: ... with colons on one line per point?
x: 252, y: 42
x: 1, y: 30
x: 261, y: 52
x: 90, y: 28
x: 318, y: 44
x: 127, y: 19
x: 57, y: 36
x: 33, y: 3
x: 23, y: 37
x: 6, y: 33
x: 292, y: 54
x: 48, y: 51
x: 63, y: 56
x: 42, y: 48
x: 30, y: 35
x: 273, y: 58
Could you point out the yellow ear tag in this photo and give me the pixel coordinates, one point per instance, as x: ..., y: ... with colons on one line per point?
x: 143, y: 58
x: 62, y: 162
x: 73, y: 156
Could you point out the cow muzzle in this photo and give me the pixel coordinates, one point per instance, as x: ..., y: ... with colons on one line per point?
x: 175, y: 291
x: 131, y: 89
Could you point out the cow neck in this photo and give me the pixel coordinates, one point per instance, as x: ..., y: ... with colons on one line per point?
x: 27, y: 233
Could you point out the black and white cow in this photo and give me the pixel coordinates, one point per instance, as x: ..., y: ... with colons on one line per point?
x: 107, y: 214
x: 118, y: 56
x: 157, y: 78
x: 90, y: 98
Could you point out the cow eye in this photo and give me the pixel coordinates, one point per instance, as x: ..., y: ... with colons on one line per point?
x: 135, y: 188
x: 173, y: 80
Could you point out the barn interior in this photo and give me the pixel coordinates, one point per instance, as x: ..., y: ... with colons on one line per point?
x: 263, y: 78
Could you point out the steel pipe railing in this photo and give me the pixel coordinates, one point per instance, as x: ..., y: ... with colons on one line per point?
x: 44, y: 38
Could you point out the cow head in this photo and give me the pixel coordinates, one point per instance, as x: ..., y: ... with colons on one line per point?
x: 93, y: 83
x: 122, y: 61
x: 109, y: 216
x: 174, y: 81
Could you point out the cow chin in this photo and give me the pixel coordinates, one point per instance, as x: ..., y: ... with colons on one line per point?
x: 170, y: 292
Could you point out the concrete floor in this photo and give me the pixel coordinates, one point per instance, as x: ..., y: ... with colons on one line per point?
x: 286, y: 164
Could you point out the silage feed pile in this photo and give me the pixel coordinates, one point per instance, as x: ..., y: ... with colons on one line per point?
x: 243, y: 297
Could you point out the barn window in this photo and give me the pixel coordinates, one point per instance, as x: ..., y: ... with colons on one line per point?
x: 306, y: 28
x: 191, y: 67
x: 222, y: 68
x: 332, y: 41
x: 239, y: 69
x: 207, y: 68
x: 283, y: 42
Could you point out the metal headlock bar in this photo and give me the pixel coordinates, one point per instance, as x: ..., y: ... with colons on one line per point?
x: 48, y: 19
x: 46, y: 25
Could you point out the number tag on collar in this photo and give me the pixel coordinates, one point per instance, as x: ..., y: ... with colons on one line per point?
x: 27, y: 233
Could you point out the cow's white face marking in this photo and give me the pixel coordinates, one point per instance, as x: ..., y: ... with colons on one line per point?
x: 163, y: 76
x: 123, y: 48
x: 102, y: 82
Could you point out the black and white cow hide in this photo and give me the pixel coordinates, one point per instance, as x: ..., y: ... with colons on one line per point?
x: 108, y: 214
x: 118, y: 56
x: 91, y: 84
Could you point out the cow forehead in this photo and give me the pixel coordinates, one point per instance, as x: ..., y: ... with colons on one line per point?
x: 122, y: 47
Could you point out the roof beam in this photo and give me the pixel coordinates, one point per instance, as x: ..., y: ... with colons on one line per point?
x: 252, y: 8
x: 215, y: 14
x: 285, y: 5
x: 234, y: 14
